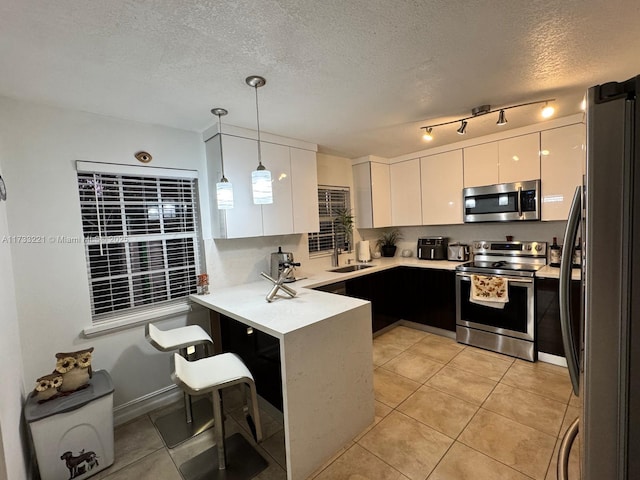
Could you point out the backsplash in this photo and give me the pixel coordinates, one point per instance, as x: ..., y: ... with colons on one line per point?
x: 466, y: 233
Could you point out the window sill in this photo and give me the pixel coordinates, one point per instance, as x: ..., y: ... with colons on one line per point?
x: 134, y: 319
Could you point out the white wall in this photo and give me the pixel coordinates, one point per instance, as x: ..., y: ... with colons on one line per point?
x: 12, y: 434
x: 40, y: 146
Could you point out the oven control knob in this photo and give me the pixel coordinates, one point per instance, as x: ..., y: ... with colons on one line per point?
x: 477, y: 245
x: 538, y: 247
x: 485, y: 245
x: 528, y: 247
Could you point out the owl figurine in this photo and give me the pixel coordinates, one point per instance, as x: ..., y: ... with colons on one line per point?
x: 75, y: 368
x: 47, y: 387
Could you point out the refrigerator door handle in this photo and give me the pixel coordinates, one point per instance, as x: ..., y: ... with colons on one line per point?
x: 565, y: 450
x: 570, y: 236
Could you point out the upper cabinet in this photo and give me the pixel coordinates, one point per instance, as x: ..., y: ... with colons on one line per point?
x: 562, y: 162
x: 405, y: 193
x: 441, y: 178
x: 295, y: 190
x: 304, y: 190
x: 481, y: 165
x: 505, y: 161
x: 371, y: 180
x: 519, y: 158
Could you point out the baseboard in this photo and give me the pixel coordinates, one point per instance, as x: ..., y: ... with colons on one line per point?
x: 554, y: 359
x: 143, y: 405
x: 427, y: 328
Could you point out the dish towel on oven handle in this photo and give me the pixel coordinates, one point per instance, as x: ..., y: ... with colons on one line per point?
x: 489, y: 291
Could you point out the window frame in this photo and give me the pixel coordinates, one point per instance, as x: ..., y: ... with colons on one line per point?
x: 187, y: 232
x: 327, y: 213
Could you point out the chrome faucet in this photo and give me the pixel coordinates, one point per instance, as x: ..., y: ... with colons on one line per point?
x: 335, y: 255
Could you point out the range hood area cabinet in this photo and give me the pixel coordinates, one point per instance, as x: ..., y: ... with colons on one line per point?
x: 504, y: 161
x: 562, y: 165
x: 295, y: 198
x: 372, y: 185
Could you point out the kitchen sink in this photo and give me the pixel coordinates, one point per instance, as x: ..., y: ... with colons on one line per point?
x: 351, y: 268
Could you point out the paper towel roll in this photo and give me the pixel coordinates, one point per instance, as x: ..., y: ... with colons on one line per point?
x: 364, y: 254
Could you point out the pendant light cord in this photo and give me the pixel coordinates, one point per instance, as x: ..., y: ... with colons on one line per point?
x: 223, y: 179
x: 260, y: 166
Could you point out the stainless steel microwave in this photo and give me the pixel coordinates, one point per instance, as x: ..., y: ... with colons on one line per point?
x: 503, y: 202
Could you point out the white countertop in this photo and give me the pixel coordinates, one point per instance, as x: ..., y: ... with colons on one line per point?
x: 554, y: 272
x: 246, y: 303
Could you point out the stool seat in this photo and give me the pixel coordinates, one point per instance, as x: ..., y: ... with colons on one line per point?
x: 219, y: 371
x: 233, y: 458
x: 176, y: 338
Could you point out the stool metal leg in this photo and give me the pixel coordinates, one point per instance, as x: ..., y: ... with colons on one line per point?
x: 219, y: 429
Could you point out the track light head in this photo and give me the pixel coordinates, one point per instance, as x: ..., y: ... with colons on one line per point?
x: 502, y: 118
x: 548, y: 110
x: 427, y: 134
x: 463, y: 128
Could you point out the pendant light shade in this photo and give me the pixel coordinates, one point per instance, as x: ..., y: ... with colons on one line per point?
x: 224, y: 189
x: 261, y: 185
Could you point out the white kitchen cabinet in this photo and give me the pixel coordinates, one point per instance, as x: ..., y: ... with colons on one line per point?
x: 372, y: 194
x: 405, y: 193
x: 246, y: 219
x: 304, y: 190
x: 441, y: 176
x: 519, y: 158
x: 240, y: 159
x: 277, y: 217
x: 510, y: 160
x: 481, y: 165
x: 563, y: 155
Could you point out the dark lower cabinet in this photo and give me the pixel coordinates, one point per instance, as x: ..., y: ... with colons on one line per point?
x: 419, y: 295
x: 549, y: 333
x: 261, y: 354
x: 430, y: 297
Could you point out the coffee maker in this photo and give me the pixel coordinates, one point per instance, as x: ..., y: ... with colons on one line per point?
x: 279, y: 261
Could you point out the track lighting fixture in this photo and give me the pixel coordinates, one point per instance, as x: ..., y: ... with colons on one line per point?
x: 224, y: 189
x: 427, y: 134
x: 547, y: 111
x: 261, y: 177
x: 502, y: 118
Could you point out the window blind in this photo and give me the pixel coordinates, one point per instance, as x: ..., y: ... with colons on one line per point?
x: 330, y: 201
x: 141, y: 237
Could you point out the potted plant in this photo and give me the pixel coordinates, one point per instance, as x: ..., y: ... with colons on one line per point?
x: 387, y: 242
x: 344, y: 224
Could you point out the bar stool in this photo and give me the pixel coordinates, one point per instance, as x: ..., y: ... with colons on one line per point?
x: 180, y: 425
x: 231, y: 458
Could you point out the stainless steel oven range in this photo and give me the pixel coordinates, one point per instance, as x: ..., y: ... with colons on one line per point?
x: 493, y: 324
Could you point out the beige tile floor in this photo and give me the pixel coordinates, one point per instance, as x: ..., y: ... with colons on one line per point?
x: 444, y: 411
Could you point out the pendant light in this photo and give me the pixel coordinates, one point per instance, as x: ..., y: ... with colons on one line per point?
x: 224, y: 189
x: 261, y: 177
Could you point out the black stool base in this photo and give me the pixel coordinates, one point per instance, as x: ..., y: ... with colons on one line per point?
x: 174, y: 428
x: 243, y: 462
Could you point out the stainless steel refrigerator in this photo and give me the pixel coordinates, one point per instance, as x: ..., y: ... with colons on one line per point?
x: 604, y: 357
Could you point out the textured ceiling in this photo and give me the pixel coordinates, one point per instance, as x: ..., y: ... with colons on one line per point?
x: 356, y: 77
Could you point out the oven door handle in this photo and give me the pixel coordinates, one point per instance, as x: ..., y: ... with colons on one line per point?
x: 467, y: 278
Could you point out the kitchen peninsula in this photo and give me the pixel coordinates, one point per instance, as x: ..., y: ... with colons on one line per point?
x: 327, y: 375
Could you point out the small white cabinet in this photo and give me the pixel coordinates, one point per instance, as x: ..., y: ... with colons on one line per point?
x: 406, y: 208
x: 510, y: 160
x: 304, y: 190
x: 563, y: 156
x: 441, y: 177
x: 294, y: 178
x: 372, y: 194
